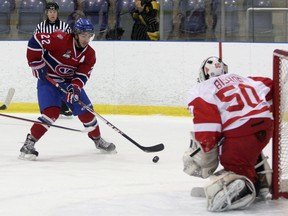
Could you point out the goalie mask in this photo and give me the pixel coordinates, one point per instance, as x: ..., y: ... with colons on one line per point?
x: 212, y: 67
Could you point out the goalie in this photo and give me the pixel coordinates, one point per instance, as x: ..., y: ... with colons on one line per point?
x: 232, y: 124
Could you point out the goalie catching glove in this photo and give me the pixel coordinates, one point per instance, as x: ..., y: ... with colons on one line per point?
x: 199, y: 163
x: 73, y: 93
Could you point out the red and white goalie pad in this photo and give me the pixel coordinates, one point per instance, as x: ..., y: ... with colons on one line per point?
x: 229, y: 191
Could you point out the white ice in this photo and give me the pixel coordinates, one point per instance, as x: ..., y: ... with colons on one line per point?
x: 71, y: 178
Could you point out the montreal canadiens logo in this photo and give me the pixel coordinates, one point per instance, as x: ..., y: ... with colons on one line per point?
x: 64, y: 70
x: 67, y: 54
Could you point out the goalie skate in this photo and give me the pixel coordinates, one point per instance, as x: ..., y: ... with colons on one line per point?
x: 264, y: 173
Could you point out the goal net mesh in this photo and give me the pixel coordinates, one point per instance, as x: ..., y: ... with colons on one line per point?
x: 280, y: 139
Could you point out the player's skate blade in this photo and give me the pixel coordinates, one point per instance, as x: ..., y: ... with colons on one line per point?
x: 28, y: 151
x: 30, y: 157
x: 107, y: 152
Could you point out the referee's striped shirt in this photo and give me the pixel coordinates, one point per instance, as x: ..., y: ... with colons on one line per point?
x: 46, y: 27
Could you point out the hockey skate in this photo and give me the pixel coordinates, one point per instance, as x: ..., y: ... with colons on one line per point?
x: 264, y: 173
x: 104, y: 146
x: 28, y: 151
x: 263, y: 186
x: 66, y: 113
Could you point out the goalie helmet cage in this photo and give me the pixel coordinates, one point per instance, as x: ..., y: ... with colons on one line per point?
x: 280, y: 136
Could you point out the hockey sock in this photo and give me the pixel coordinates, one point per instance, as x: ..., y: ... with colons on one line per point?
x: 89, y: 120
x: 49, y: 116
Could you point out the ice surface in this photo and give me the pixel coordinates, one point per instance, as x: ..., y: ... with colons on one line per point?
x: 71, y: 178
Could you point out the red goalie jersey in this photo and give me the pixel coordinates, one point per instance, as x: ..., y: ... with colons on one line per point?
x: 226, y: 102
x: 65, y: 62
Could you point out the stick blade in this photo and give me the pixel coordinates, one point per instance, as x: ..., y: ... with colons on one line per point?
x: 155, y: 148
x: 3, y: 107
x: 198, y: 192
x: 9, y: 97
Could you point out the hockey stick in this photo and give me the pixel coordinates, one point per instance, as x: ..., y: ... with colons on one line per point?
x: 197, y: 192
x: 155, y: 148
x: 199, y: 149
x: 86, y: 130
x: 8, y: 99
x: 220, y: 50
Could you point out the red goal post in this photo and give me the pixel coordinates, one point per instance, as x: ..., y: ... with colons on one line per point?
x: 280, y: 113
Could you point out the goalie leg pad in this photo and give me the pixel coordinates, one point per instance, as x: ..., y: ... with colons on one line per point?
x: 229, y: 191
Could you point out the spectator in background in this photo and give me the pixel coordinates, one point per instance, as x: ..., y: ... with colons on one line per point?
x: 194, y: 20
x: 50, y: 25
x: 110, y: 28
x: 146, y: 24
x: 75, y: 16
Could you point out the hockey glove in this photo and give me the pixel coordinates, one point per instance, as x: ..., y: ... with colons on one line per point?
x: 199, y: 163
x: 39, y: 69
x: 73, y: 93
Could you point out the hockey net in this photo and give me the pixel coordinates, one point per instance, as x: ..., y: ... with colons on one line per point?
x: 280, y: 137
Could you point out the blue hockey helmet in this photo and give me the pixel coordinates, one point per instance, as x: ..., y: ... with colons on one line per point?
x: 83, y: 25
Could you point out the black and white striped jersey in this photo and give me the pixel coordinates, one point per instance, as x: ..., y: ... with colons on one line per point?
x: 46, y: 27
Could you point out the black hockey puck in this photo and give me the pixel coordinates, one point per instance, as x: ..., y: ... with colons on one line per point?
x: 155, y: 159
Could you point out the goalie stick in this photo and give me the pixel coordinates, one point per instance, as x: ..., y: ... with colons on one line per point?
x: 198, y: 192
x: 86, y: 130
x: 8, y: 99
x: 148, y: 149
x: 199, y: 149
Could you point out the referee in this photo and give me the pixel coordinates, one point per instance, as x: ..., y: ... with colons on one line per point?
x: 50, y: 25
